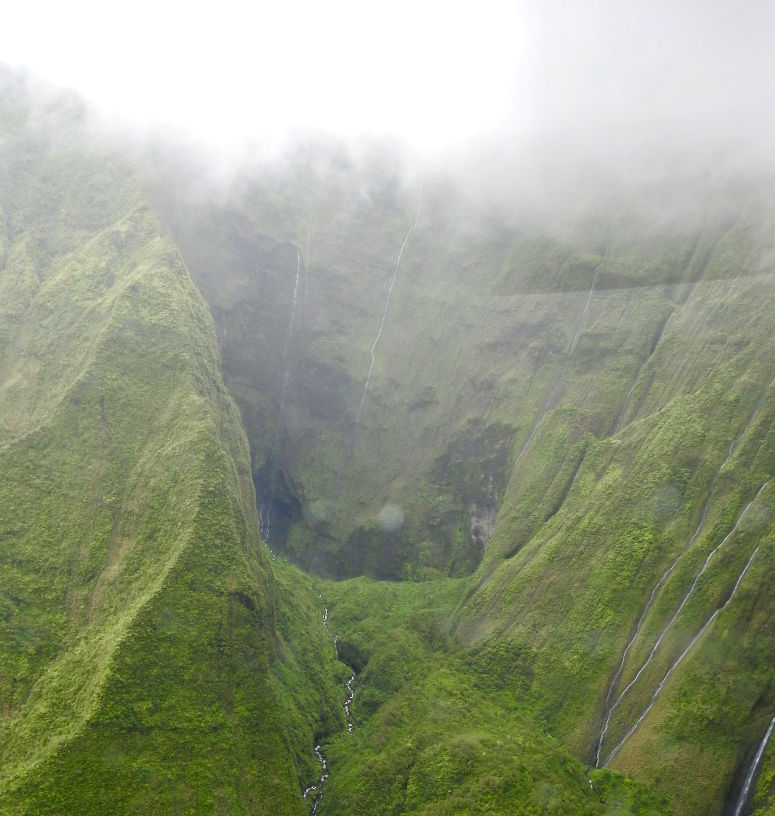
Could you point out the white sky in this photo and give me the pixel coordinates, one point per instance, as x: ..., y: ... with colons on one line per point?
x: 429, y: 72
x: 434, y: 73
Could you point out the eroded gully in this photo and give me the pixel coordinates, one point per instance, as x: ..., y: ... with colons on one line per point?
x: 317, y: 787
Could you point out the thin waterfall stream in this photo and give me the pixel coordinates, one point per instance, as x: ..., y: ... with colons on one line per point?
x: 385, y: 309
x: 611, y: 700
x: 677, y: 662
x: 753, y: 771
x: 617, y: 702
x: 317, y: 787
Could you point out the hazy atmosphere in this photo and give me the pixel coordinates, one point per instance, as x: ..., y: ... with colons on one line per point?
x: 387, y: 409
x: 434, y: 74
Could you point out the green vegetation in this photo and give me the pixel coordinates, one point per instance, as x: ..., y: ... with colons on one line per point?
x: 441, y: 732
x: 137, y: 604
x: 561, y: 407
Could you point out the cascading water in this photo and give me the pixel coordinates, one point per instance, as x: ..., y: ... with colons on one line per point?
x: 609, y: 705
x: 385, y: 309
x: 753, y: 770
x: 617, y: 702
x: 585, y: 312
x: 317, y: 787
x: 265, y: 517
x: 678, y: 662
x: 348, y: 703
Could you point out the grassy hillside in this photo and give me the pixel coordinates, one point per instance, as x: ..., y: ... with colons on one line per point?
x: 550, y: 427
x: 138, y: 641
x: 556, y: 402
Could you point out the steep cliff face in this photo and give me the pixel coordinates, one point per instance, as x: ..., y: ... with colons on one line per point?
x: 556, y: 422
x: 576, y: 408
x: 138, y: 608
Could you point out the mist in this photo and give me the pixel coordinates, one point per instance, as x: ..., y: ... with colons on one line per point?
x: 442, y: 78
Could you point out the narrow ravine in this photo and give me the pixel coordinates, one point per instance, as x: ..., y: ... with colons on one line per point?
x: 265, y: 516
x: 677, y: 662
x: 609, y: 704
x: 753, y: 772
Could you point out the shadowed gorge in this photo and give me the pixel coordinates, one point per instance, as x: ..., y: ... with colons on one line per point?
x: 334, y: 487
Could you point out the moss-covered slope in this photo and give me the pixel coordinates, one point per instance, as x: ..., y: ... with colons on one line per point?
x: 560, y: 423
x: 565, y: 403
x: 138, y: 633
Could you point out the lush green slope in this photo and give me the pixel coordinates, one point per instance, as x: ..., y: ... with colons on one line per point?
x: 138, y: 646
x: 555, y: 397
x: 438, y: 734
x: 559, y: 420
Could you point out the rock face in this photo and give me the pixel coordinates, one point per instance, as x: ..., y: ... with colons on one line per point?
x: 565, y: 449
x: 551, y: 406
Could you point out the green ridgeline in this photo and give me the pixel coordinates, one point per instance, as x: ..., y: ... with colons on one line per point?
x: 552, y: 407
x: 586, y: 439
x: 139, y: 653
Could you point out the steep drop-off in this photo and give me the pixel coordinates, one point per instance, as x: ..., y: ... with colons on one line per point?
x: 139, y: 649
x: 550, y: 419
x: 565, y: 404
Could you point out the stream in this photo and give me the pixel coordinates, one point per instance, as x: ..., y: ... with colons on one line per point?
x: 753, y: 771
x: 317, y: 787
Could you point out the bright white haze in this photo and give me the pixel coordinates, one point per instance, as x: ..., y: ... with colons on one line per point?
x: 436, y: 74
x: 429, y: 72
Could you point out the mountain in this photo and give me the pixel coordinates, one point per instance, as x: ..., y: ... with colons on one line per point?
x: 512, y: 444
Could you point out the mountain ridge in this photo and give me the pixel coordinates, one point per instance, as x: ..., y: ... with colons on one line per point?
x: 559, y: 407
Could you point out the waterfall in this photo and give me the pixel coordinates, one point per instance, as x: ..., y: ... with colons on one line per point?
x: 678, y: 662
x: 742, y: 800
x: 286, y: 350
x: 385, y: 309
x: 607, y: 705
x: 672, y: 620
